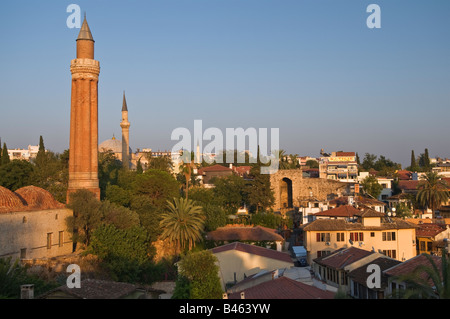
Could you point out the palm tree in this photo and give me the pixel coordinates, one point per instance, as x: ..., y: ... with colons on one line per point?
x: 186, y: 169
x: 182, y: 223
x: 433, y: 191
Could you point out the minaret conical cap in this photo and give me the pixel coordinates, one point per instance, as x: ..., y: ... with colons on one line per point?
x: 124, y: 103
x: 85, y: 32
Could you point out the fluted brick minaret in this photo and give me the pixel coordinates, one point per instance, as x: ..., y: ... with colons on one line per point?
x: 125, y: 125
x: 83, y: 156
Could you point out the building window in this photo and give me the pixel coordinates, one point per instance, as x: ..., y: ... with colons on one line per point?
x: 322, y: 237
x: 24, y: 219
x: 23, y: 253
x: 49, y: 240
x: 340, y: 237
x: 388, y: 236
x: 390, y: 253
x: 61, y: 238
x: 356, y: 236
x: 372, y: 234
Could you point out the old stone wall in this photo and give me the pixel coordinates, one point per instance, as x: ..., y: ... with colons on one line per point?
x: 319, y: 188
x: 35, y: 234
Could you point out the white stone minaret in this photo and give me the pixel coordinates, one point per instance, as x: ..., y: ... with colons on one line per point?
x: 125, y: 125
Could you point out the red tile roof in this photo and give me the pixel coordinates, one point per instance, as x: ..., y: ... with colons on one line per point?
x: 257, y: 233
x: 408, y: 184
x: 408, y: 266
x: 255, y: 250
x: 343, y: 257
x: 340, y: 211
x: 283, y: 288
x: 404, y: 175
x: 345, y: 154
x: 429, y: 230
x: 214, y: 168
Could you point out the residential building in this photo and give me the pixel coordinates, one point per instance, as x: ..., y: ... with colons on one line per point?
x: 26, y: 154
x: 238, y: 260
x: 340, y: 166
x: 280, y: 288
x: 346, y: 212
x: 394, y: 274
x: 333, y: 269
x: 358, y: 279
x: 371, y: 230
x: 32, y: 224
x: 208, y: 173
x: 249, y: 234
x: 359, y: 202
x: 432, y: 237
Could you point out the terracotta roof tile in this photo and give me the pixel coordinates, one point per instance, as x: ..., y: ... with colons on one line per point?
x: 283, y: 288
x: 344, y: 257
x: 340, y: 211
x: 429, y: 230
x: 408, y: 266
x: 257, y: 233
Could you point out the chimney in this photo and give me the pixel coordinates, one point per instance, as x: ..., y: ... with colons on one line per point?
x: 27, y: 292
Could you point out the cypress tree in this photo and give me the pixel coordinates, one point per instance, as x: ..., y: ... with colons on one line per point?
x: 413, y: 160
x: 5, y: 155
x: 426, y: 159
x: 0, y: 152
x: 40, y: 157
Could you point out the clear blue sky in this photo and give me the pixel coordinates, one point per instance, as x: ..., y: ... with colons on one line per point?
x: 311, y: 68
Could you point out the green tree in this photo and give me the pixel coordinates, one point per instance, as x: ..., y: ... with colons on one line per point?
x: 230, y: 190
x: 139, y: 169
x: 40, y: 156
x: 371, y: 186
x: 157, y: 185
x: 121, y: 217
x: 270, y: 220
x: 123, y: 252
x: 16, y: 174
x: 368, y: 161
x: 149, y: 215
x: 413, y: 166
x: 202, y: 273
x: 182, y: 223
x: 259, y: 194
x: 432, y: 191
x: 87, y: 216
x: 118, y: 195
x: 108, y: 171
x: 5, y: 155
x: 424, y: 161
x: 312, y: 164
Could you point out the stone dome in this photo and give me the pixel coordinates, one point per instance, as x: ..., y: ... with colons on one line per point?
x: 10, y: 201
x: 112, y: 144
x: 38, y: 198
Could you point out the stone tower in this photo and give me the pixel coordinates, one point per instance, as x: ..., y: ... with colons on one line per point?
x: 125, y: 125
x: 83, y: 156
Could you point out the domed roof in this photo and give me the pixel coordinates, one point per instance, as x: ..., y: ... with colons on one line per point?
x: 112, y: 144
x: 38, y: 198
x: 10, y: 201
